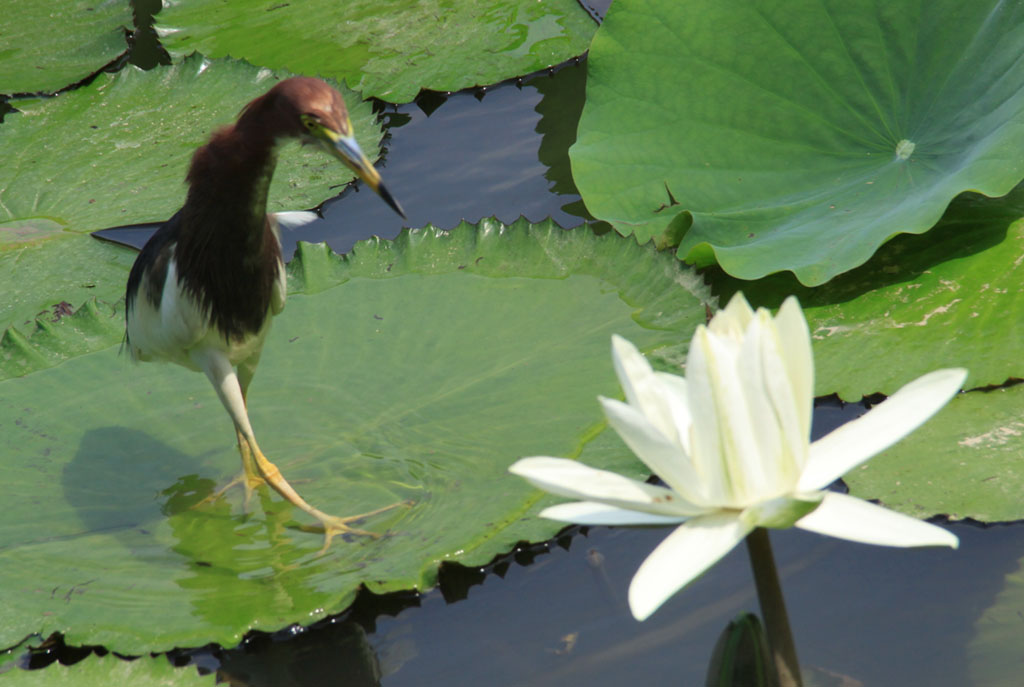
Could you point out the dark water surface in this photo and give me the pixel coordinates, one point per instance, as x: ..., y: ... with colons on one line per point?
x: 556, y: 614
x: 860, y: 615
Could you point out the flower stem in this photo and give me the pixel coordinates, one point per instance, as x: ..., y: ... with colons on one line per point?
x: 773, y: 608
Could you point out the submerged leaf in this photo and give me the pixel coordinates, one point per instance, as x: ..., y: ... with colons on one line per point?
x: 993, y: 651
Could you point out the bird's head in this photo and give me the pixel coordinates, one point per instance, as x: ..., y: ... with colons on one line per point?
x: 314, y: 112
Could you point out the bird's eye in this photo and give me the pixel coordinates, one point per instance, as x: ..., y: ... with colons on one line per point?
x: 310, y: 122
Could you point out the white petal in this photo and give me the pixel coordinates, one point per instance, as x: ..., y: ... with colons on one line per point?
x: 592, y: 513
x: 704, y: 441
x: 705, y: 437
x: 732, y: 321
x: 788, y: 387
x: 845, y: 448
x: 665, y: 459
x: 691, y: 549
x: 574, y: 480
x: 795, y: 347
x: 630, y: 364
x: 848, y: 517
x: 742, y: 460
x: 677, y: 402
x: 642, y: 387
x: 768, y: 403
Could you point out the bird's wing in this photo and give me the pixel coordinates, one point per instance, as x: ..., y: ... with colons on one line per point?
x: 149, y: 271
x: 155, y: 327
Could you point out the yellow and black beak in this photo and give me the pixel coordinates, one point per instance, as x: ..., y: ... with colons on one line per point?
x: 348, y: 151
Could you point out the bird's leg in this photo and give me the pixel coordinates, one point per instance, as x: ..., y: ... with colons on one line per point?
x: 250, y: 477
x: 226, y: 383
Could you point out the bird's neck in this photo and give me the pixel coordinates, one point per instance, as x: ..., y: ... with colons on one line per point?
x: 227, y: 255
x: 228, y: 184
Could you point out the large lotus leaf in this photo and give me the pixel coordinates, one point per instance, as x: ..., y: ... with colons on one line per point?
x: 388, y: 49
x: 966, y: 462
x: 116, y: 151
x: 951, y: 298
x: 47, y: 46
x: 43, y: 277
x: 798, y: 134
x: 410, y: 371
x: 104, y: 671
x: 993, y: 652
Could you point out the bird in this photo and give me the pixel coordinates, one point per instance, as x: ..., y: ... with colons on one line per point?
x: 204, y: 289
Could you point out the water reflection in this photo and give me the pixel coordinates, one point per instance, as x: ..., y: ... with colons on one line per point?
x: 337, y: 654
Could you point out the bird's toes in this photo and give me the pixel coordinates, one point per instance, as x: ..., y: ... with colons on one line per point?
x: 332, y: 529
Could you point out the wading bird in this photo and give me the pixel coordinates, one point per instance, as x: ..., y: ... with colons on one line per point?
x: 204, y: 288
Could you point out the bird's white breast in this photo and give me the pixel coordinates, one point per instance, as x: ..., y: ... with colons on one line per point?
x: 171, y: 331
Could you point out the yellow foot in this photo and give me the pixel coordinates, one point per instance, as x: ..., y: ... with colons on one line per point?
x: 250, y: 482
x: 332, y: 525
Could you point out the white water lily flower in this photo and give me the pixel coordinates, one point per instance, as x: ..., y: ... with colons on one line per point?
x: 732, y: 443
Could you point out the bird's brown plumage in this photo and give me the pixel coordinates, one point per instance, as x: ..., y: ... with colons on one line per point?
x: 227, y: 253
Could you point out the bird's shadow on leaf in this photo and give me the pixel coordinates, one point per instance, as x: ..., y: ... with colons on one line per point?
x: 124, y: 478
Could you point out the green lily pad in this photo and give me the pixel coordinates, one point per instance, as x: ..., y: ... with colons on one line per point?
x: 797, y: 134
x: 46, y: 278
x: 952, y: 298
x: 48, y: 46
x: 13, y: 656
x: 415, y: 370
x: 966, y: 462
x: 116, y: 151
x: 388, y: 49
x: 28, y: 231
x: 55, y: 337
x: 103, y: 671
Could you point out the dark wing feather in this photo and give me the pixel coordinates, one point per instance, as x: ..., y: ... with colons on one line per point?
x: 151, y: 265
